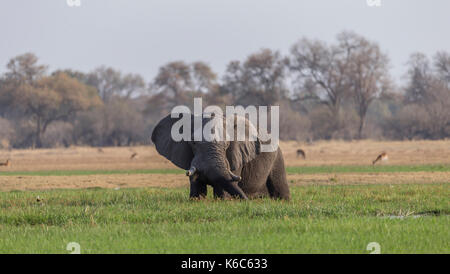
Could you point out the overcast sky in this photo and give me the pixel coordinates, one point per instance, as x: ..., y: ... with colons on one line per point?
x: 140, y: 35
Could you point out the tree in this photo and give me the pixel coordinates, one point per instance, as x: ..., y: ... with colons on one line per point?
x: 260, y: 80
x: 79, y: 75
x: 428, y: 89
x: 123, y: 124
x: 204, y: 78
x: 178, y: 83
x: 442, y: 65
x: 174, y: 82
x: 321, y: 74
x: 52, y: 98
x: 367, y: 72
x: 264, y: 74
x: 6, y: 133
x: 419, y: 76
x: 233, y: 80
x: 110, y: 82
x: 24, y: 69
x: 205, y: 84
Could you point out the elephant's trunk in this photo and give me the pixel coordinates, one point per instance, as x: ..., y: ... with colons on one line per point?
x: 223, y: 174
x: 216, y: 167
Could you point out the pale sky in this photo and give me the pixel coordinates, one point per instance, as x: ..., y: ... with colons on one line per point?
x: 141, y: 35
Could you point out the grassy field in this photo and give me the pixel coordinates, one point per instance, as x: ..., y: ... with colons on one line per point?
x: 319, y: 219
x: 109, y: 203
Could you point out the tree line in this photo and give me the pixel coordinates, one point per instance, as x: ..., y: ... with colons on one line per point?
x: 339, y: 90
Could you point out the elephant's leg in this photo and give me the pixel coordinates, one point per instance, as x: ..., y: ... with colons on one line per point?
x: 277, y: 189
x: 198, y: 187
x: 277, y: 184
x: 234, y: 190
x: 218, y: 192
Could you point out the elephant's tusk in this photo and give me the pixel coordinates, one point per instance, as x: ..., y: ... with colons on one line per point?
x: 235, y: 177
x: 191, y: 171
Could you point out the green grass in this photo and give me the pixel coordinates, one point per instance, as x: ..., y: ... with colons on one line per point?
x: 318, y: 219
x: 291, y: 170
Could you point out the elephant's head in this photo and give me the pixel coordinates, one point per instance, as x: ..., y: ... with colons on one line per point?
x: 218, y: 160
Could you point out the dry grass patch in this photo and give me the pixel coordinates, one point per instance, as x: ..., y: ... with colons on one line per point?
x: 369, y: 178
x: 91, y: 181
x: 318, y: 153
x: 364, y: 152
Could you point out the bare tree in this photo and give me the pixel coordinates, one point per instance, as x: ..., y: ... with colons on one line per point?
x: 320, y: 73
x: 178, y: 82
x: 110, y: 82
x: 367, y: 72
x: 232, y: 81
x: 132, y: 85
x: 428, y: 89
x: 123, y: 124
x: 204, y: 78
x: 260, y: 80
x: 419, y: 76
x: 174, y: 82
x: 442, y: 65
x: 264, y: 76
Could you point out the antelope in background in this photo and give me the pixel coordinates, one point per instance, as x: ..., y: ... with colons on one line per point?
x: 301, y: 152
x: 382, y: 157
x: 134, y: 156
x: 7, y: 163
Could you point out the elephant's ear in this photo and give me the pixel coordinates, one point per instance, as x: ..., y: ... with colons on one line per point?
x: 179, y: 153
x: 242, y: 152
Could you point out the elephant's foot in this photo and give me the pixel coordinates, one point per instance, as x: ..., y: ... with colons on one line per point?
x: 197, y: 198
x: 198, y: 188
x: 218, y: 192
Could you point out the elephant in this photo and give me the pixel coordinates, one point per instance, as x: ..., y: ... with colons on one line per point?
x: 234, y: 169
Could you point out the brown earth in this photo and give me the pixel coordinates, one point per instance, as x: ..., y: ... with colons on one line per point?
x: 319, y: 153
x: 8, y: 183
x: 364, y: 152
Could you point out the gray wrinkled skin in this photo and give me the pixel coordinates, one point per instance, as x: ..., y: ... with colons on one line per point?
x: 232, y: 168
